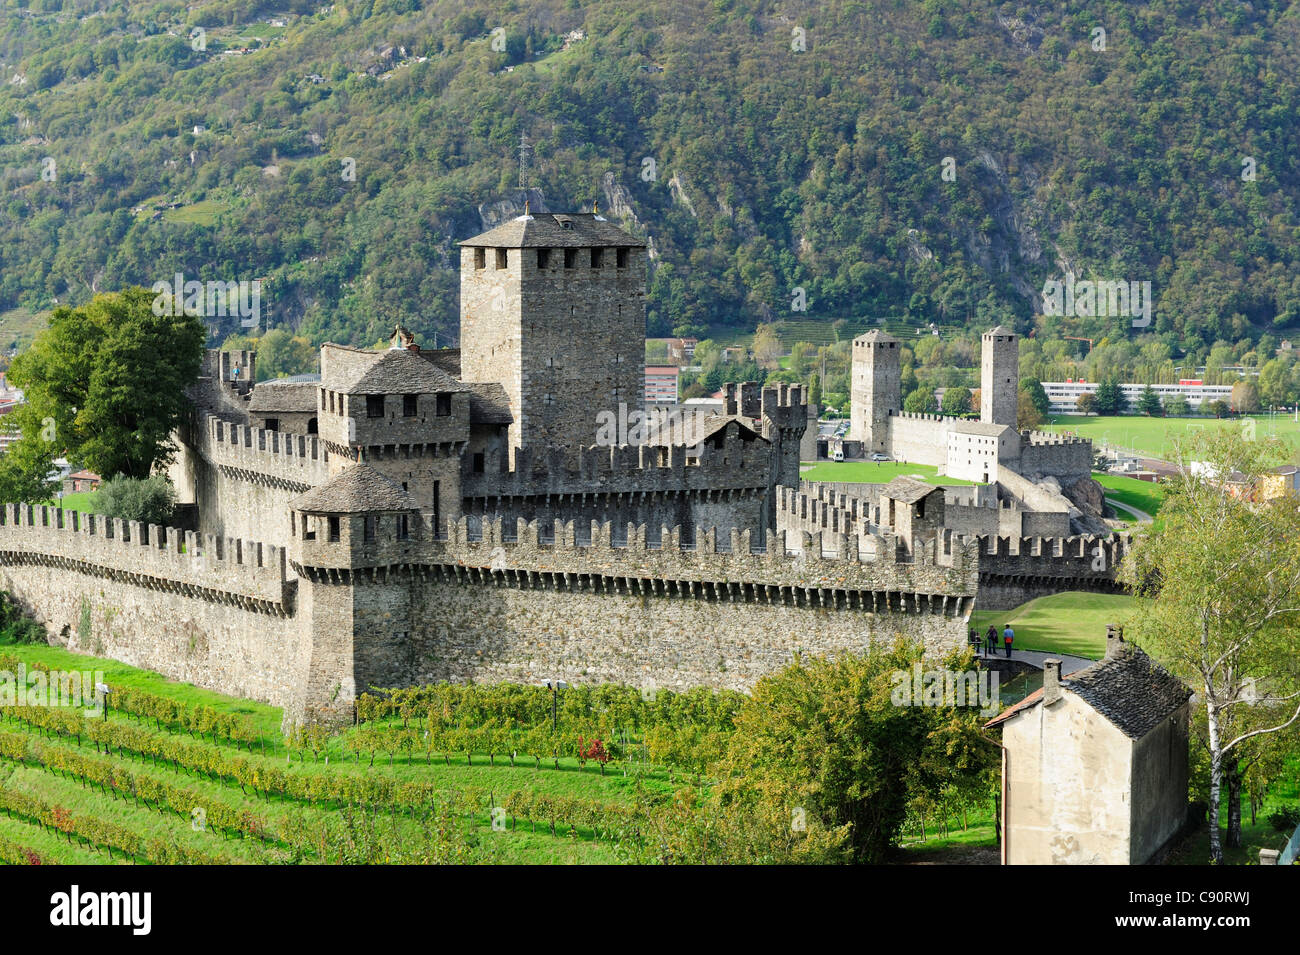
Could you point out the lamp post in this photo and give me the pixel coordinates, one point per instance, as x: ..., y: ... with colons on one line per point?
x: 555, y: 687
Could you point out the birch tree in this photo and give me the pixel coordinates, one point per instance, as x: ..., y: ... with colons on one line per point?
x: 1218, y: 588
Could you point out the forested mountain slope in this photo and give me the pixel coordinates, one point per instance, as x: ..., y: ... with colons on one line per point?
x: 755, y: 167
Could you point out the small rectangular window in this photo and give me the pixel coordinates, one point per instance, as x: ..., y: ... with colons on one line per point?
x: 596, y: 258
x: 272, y: 424
x: 570, y: 258
x: 334, y: 528
x: 502, y: 259
x: 478, y: 462
x: 620, y: 258
x: 443, y: 405
x: 409, y: 405
x: 543, y: 258
x: 480, y: 258
x: 403, y: 527
x: 374, y: 406
x: 369, y: 529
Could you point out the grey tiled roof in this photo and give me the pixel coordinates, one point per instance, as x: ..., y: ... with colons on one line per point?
x: 548, y: 230
x: 356, y: 371
x: 1130, y: 689
x: 875, y: 335
x: 906, y: 489
x: 986, y: 429
x: 448, y: 359
x: 488, y: 403
x: 284, y: 394
x: 356, y: 490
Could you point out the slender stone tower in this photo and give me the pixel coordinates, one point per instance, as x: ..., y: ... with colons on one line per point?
x: 999, y: 377
x: 875, y: 389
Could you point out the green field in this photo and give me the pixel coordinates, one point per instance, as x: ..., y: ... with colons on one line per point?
x: 876, y: 472
x: 1073, y: 623
x: 1144, y: 495
x: 83, y: 501
x: 1155, y: 436
x: 196, y: 213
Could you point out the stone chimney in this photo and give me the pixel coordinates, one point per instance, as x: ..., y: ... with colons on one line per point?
x: 1114, y: 639
x: 1051, y: 681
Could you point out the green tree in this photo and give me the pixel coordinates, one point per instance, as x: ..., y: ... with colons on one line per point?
x: 1177, y: 405
x: 1110, y: 398
x: 148, y: 500
x: 1218, y: 597
x: 1028, y: 417
x: 957, y: 401
x: 1149, y: 403
x: 1038, y: 395
x: 1086, y: 403
x: 110, y: 378
x: 1245, y: 397
x: 921, y: 401
x: 829, y: 739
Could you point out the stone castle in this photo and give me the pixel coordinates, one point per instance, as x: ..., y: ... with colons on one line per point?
x: 413, y: 515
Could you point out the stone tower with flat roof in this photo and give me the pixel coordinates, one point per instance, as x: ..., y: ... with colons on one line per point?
x: 553, y: 308
x: 999, y: 377
x: 875, y: 389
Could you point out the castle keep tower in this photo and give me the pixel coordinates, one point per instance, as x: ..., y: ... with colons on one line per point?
x: 553, y: 308
x: 999, y: 377
x: 875, y: 389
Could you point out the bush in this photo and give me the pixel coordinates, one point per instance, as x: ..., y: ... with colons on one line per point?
x: 150, y: 500
x: 15, y: 625
x: 1285, y: 820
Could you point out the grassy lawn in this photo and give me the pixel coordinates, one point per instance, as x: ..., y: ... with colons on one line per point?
x: 1155, y: 436
x: 83, y: 501
x: 876, y: 472
x: 197, y: 213
x: 1073, y: 623
x: 1143, y: 495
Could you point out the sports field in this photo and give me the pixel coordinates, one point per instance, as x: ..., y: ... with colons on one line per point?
x: 1155, y: 436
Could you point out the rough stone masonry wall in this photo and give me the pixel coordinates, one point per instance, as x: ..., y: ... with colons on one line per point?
x: 1045, y: 453
x: 242, y: 478
x: 209, y: 615
x: 466, y: 631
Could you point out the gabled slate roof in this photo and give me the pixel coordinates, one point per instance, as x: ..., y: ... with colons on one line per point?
x: 285, y: 395
x: 356, y: 371
x: 488, y: 403
x: 555, y: 230
x: 356, y: 490
x: 875, y: 335
x: 1133, y: 692
x: 908, y: 490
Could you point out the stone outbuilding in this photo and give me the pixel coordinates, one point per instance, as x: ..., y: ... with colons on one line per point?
x: 1095, y: 764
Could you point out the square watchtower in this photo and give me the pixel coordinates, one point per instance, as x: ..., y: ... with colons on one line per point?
x: 553, y: 308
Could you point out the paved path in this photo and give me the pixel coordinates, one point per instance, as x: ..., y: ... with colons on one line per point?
x: 1069, y: 664
x: 1142, y: 516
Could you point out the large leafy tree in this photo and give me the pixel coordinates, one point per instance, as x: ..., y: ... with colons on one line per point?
x: 826, y: 742
x: 105, y: 384
x: 1218, y: 588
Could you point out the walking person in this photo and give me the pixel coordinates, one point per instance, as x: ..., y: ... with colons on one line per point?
x: 1008, y: 635
x: 991, y: 638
